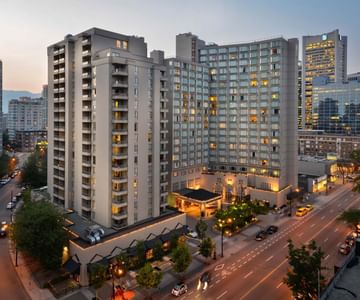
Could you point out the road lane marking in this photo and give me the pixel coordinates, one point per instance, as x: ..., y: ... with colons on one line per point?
x: 269, y: 258
x: 223, y: 294
x: 326, y: 257
x: 219, y: 267
x: 312, y: 225
x: 323, y: 217
x: 248, y: 274
x: 300, y: 234
x: 326, y: 240
x: 287, y: 244
x: 279, y: 285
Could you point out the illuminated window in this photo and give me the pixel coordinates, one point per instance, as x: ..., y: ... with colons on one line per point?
x: 265, y: 141
x: 213, y: 71
x: 265, y: 82
x: 212, y: 146
x: 115, y: 209
x: 177, y: 87
x: 213, y: 98
x: 118, y: 44
x: 149, y: 254
x: 253, y: 119
x: 222, y: 125
x: 264, y: 162
x: 135, y: 183
x: 275, y: 96
x: 253, y: 83
x: 125, y: 45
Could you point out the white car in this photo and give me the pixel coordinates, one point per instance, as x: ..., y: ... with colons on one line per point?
x: 193, y: 234
x: 10, y: 205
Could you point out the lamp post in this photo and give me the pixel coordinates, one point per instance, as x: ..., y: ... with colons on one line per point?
x: 222, y: 239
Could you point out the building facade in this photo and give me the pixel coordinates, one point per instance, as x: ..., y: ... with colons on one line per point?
x: 188, y: 122
x: 26, y: 139
x: 336, y: 106
x: 2, y: 128
x: 107, y: 152
x: 323, y: 55
x: 299, y: 95
x: 25, y: 114
x: 332, y: 146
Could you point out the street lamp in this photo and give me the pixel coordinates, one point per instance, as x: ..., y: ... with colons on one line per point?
x: 222, y: 238
x: 116, y: 270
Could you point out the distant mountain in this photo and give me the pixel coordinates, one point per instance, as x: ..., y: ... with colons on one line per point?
x: 8, y: 95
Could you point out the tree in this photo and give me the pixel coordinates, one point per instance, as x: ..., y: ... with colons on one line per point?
x: 344, y: 167
x: 4, y: 164
x: 158, y: 251
x: 304, y: 275
x: 181, y: 257
x: 356, y: 186
x: 98, y: 276
x: 355, y: 158
x: 148, y: 278
x: 140, y: 253
x: 201, y: 228
x: 34, y: 171
x: 351, y: 217
x: 206, y: 247
x: 38, y: 231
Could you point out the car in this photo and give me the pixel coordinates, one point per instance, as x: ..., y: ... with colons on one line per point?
x: 14, y: 199
x: 3, y: 229
x: 193, y: 234
x: 204, y: 281
x: 10, y: 205
x: 12, y: 175
x: 271, y: 229
x: 344, y: 249
x: 309, y: 207
x: 179, y: 289
x: 261, y: 235
x: 302, y: 211
x: 350, y: 240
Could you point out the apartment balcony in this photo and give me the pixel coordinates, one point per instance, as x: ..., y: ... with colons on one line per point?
x: 86, y: 75
x: 86, y: 53
x: 58, y: 186
x: 86, y: 151
x: 86, y: 196
x: 86, y: 119
x: 86, y: 63
x: 61, y: 50
x: 120, y: 155
x: 86, y: 186
x: 86, y: 41
x: 86, y: 97
x: 86, y: 129
x: 119, y: 193
x: 56, y: 71
x: 119, y: 167
x: 86, y: 108
x: 119, y: 204
x: 61, y: 60
x: 59, y: 167
x: 122, y: 215
x: 86, y: 208
x: 59, y: 138
x: 119, y: 131
x: 61, y: 79
x: 86, y: 141
x: 59, y: 118
x: 86, y: 163
x: 86, y: 86
x: 119, y: 179
x: 120, y: 84
x: 120, y: 119
x: 120, y: 96
x: 120, y: 71
x: 61, y: 70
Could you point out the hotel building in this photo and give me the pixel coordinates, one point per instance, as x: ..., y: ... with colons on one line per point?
x: 107, y: 153
x: 323, y: 55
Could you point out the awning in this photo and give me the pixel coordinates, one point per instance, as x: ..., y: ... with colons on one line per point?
x: 72, y: 266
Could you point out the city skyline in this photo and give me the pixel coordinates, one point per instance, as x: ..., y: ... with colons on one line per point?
x: 201, y: 18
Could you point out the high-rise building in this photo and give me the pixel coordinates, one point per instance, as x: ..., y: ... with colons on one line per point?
x: 107, y: 152
x: 299, y: 95
x: 354, y: 76
x: 188, y: 46
x: 44, y: 96
x: 188, y: 122
x: 336, y: 106
x: 25, y: 114
x: 2, y: 128
x: 323, y: 55
x: 252, y: 117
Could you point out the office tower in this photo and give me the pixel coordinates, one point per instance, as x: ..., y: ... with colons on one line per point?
x: 188, y: 122
x: 188, y: 46
x: 2, y: 128
x: 336, y: 106
x: 107, y: 153
x: 299, y: 94
x: 323, y: 55
x: 25, y: 114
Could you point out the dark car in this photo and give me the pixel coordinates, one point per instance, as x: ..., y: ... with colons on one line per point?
x: 271, y: 229
x: 350, y: 240
x: 179, y: 289
x: 261, y: 235
x: 344, y: 249
x: 204, y: 280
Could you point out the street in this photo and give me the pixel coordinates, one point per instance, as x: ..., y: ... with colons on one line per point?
x: 10, y: 286
x: 257, y: 270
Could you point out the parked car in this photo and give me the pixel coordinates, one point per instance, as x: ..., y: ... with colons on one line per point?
x: 261, y: 235
x: 14, y: 199
x: 309, y: 207
x: 10, y: 205
x: 271, y: 229
x: 344, y: 249
x: 204, y: 281
x: 179, y: 289
x: 3, y: 229
x: 192, y: 234
x: 350, y: 240
x: 302, y: 211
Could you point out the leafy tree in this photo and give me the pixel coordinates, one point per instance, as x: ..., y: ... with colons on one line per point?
x: 140, y: 253
x: 98, y: 276
x: 6, y: 140
x: 34, y: 171
x: 4, y: 164
x: 158, y: 251
x: 201, y: 228
x: 356, y: 186
x: 344, y: 167
x: 26, y: 196
x: 148, y: 278
x: 38, y: 230
x: 305, y: 270
x: 207, y: 247
x: 355, y: 158
x: 123, y: 261
x: 351, y: 217
x: 181, y: 257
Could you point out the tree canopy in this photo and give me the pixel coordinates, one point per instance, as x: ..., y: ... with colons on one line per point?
x: 206, y: 247
x: 305, y: 270
x: 98, y: 275
x: 34, y: 171
x: 38, y: 230
x: 181, y: 257
x: 351, y: 217
x: 201, y: 228
x: 148, y: 278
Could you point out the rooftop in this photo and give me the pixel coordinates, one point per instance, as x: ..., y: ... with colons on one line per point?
x: 200, y: 194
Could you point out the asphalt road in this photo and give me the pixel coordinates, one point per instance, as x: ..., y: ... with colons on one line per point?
x: 256, y: 271
x: 10, y: 285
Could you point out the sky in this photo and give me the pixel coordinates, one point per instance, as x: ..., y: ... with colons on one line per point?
x: 27, y: 27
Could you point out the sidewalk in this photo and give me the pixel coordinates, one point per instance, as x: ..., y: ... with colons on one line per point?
x: 30, y: 286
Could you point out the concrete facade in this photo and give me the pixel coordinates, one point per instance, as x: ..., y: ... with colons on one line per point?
x: 323, y: 55
x: 2, y: 128
x: 107, y: 127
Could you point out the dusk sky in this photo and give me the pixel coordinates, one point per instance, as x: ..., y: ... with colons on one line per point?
x: 28, y: 27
